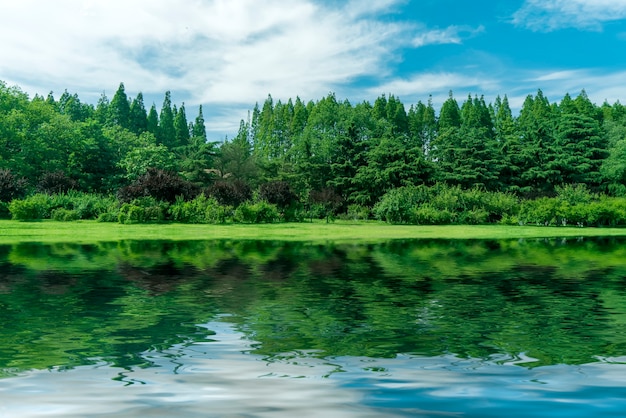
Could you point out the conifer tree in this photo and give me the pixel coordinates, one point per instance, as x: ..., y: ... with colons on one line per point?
x: 119, y: 109
x: 199, y: 129
x: 153, y: 121
x: 167, y: 133
x: 138, y: 116
x: 181, y: 128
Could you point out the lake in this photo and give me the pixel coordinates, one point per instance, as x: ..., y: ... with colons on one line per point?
x: 429, y: 328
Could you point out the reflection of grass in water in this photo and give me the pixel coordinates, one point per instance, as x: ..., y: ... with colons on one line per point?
x: 343, y: 231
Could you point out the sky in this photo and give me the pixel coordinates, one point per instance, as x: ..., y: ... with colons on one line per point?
x: 227, y: 55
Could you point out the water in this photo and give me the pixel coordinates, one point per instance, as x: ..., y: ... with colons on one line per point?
x: 271, y: 329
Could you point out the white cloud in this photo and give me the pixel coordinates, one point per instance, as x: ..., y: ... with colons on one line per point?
x: 449, y: 35
x: 549, y: 15
x: 218, y: 51
x: 214, y: 52
x: 599, y: 85
x: 438, y: 84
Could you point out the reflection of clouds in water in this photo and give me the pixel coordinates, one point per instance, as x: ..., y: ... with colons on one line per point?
x: 203, y: 379
x: 221, y: 378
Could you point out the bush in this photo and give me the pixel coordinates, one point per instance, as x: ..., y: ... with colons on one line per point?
x: 574, y: 194
x: 278, y: 193
x: 478, y: 216
x: 142, y: 210
x: 158, y: 184
x: 32, y: 208
x: 11, y: 187
x: 260, y: 212
x: 199, y: 210
x: 398, y: 205
x: 499, y: 205
x: 4, y: 210
x: 230, y: 193
x: 108, y: 217
x: 358, y: 213
x: 427, y: 214
x: 56, y: 182
x: 64, y: 215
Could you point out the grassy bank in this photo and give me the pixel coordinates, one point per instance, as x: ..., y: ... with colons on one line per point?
x: 91, y: 231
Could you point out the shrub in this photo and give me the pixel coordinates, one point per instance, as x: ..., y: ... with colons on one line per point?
x: 11, y: 187
x: 574, y: 194
x: 230, y: 193
x: 142, y: 210
x: 199, y: 210
x: 31, y: 208
x: 4, y: 210
x: 477, y: 216
x: 358, y: 212
x: 542, y: 211
x: 448, y: 198
x: 397, y: 205
x: 499, y: 205
x: 108, y: 217
x: 159, y: 184
x: 56, y: 182
x: 260, y: 212
x: 64, y: 215
x: 427, y: 214
x: 278, y: 193
x: 327, y: 201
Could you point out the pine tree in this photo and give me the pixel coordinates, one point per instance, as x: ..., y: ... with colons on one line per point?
x: 153, y: 121
x: 138, y: 116
x: 581, y: 144
x: 167, y: 133
x: 119, y: 109
x: 181, y: 128
x: 199, y: 129
x: 537, y: 131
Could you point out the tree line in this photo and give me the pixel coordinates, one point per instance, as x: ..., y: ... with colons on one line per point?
x: 325, y: 157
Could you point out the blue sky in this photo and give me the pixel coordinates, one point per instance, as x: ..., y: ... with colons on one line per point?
x: 229, y: 54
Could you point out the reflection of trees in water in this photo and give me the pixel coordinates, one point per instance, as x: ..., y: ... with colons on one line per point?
x: 159, y: 279
x: 560, y: 302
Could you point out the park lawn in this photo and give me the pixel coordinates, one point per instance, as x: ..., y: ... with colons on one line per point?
x: 318, y: 231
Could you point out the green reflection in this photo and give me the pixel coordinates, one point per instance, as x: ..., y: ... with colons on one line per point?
x: 555, y: 301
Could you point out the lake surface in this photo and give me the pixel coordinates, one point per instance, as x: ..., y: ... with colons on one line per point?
x: 273, y: 329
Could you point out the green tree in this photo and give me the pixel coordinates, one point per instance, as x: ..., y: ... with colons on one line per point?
x: 537, y: 126
x: 138, y: 118
x: 581, y: 145
x: 509, y: 142
x: 181, y: 128
x: 167, y: 132
x: 152, y: 125
x: 119, y: 109
x: 148, y: 155
x: 391, y: 164
x: 199, y: 129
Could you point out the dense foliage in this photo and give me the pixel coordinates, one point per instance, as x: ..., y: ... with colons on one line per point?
x: 319, y: 159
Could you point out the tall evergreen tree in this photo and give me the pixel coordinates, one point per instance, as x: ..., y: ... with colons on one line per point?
x: 199, y: 129
x: 181, y: 128
x: 138, y: 116
x: 153, y: 121
x: 167, y: 133
x: 537, y: 125
x: 581, y: 144
x: 102, y: 110
x: 447, y: 146
x: 119, y: 109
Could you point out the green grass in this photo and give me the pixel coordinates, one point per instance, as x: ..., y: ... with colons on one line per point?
x: 341, y: 231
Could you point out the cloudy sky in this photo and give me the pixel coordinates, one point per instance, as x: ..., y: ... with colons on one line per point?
x: 229, y: 54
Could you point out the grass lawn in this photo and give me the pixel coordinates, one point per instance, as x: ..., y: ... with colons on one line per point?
x: 340, y: 231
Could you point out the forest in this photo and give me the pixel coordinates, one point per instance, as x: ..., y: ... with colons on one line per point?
x: 553, y: 163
